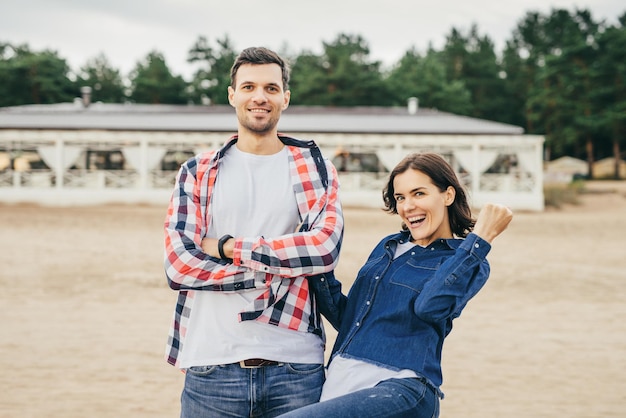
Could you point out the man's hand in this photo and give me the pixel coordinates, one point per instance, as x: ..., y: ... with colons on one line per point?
x: 209, y: 246
x: 492, y: 221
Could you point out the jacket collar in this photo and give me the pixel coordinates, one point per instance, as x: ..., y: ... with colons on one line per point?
x: 444, y: 244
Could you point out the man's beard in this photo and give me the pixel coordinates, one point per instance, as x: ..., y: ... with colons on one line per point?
x: 253, y: 126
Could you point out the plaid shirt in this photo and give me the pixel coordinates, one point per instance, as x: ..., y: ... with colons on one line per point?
x: 278, y: 265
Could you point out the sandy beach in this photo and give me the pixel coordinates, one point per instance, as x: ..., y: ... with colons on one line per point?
x: 85, y: 311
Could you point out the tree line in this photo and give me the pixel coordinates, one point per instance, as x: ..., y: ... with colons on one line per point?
x: 560, y: 74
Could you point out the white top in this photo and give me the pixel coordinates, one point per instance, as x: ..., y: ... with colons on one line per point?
x: 345, y: 375
x: 253, y: 196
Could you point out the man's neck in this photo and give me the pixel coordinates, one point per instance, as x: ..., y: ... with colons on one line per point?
x: 266, y: 144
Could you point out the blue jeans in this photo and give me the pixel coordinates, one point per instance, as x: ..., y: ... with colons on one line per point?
x: 231, y: 391
x: 390, y: 398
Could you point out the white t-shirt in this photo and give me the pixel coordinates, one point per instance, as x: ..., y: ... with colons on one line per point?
x: 250, y: 191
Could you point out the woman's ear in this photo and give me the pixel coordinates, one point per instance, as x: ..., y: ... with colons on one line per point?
x: 450, y: 195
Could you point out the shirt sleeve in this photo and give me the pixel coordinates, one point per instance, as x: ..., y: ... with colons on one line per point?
x: 313, y: 251
x: 456, y: 281
x: 186, y: 265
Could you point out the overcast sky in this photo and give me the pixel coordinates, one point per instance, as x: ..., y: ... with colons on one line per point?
x: 125, y: 31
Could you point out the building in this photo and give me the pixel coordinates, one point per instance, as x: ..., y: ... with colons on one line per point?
x: 71, y: 154
x: 564, y: 170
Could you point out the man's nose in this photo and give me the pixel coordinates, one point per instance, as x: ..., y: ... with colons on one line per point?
x: 259, y: 96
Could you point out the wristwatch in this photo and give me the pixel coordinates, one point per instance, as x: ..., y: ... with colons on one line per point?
x: 220, y: 247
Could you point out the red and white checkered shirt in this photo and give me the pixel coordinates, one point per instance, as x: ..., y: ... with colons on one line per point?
x: 279, y: 266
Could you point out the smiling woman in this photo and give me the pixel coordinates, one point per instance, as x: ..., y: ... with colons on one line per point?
x: 408, y: 292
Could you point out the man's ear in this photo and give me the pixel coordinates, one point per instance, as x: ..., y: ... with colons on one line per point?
x: 286, y: 100
x: 231, y: 94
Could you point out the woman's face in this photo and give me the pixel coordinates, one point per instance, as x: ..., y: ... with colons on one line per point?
x: 422, y: 206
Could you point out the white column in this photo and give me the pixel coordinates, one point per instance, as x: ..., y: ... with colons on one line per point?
x: 539, y: 170
x: 143, y: 165
x: 475, y: 168
x: 539, y: 173
x: 400, y: 153
x: 59, y: 169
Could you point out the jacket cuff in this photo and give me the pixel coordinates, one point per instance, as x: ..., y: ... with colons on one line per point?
x: 476, y: 246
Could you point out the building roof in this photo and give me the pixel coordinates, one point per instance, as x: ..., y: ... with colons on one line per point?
x: 221, y: 118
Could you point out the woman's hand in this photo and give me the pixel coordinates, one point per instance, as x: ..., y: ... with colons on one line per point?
x: 492, y: 221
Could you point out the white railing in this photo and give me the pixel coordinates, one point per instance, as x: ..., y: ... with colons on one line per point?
x: 6, y: 178
x: 160, y: 179
x: 87, y: 179
x: 31, y: 178
x: 518, y: 182
x: 363, y: 181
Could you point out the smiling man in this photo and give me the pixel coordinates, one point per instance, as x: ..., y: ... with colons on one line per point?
x: 245, y: 226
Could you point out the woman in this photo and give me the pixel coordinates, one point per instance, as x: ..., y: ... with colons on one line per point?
x: 386, y: 361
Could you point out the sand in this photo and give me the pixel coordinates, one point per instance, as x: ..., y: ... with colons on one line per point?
x: 85, y: 312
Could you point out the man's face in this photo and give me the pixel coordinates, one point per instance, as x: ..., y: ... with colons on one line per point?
x: 258, y: 97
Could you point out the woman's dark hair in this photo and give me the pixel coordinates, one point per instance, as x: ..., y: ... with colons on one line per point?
x: 258, y: 56
x: 442, y: 176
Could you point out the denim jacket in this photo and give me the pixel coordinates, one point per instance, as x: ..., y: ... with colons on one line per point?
x: 398, y: 312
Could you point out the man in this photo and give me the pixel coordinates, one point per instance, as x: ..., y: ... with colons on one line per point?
x: 245, y: 227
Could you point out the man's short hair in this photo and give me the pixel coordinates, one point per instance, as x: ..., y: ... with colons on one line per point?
x: 258, y: 56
